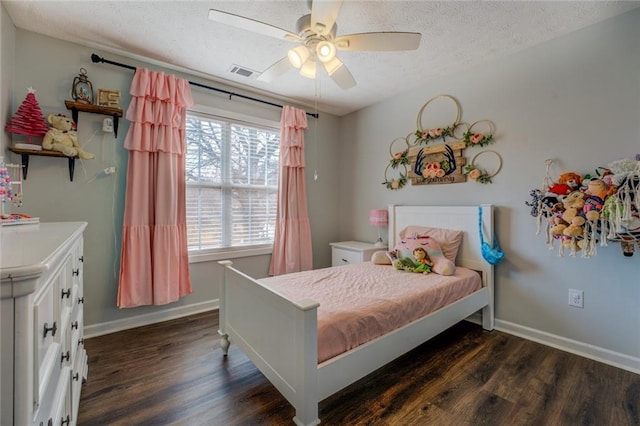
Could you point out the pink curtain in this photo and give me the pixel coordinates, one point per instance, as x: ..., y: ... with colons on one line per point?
x: 292, y: 242
x: 154, y: 261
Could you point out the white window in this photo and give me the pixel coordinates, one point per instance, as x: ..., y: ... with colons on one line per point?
x: 232, y: 182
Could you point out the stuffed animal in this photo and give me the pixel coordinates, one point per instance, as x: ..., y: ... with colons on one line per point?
x: 419, y: 255
x: 422, y: 264
x: 567, y: 183
x: 597, y: 192
x: 61, y: 137
x: 571, y: 179
x: 407, y: 264
x: 573, y: 204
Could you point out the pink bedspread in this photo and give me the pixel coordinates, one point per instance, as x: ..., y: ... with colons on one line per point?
x: 363, y: 301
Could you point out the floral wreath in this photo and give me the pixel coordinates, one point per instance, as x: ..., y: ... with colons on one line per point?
x: 400, y: 157
x: 478, y: 174
x: 427, y: 135
x: 471, y: 138
x: 398, y: 183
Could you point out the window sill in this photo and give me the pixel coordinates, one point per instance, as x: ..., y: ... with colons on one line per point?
x: 231, y: 253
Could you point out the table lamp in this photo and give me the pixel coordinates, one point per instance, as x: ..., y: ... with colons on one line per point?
x: 379, y: 218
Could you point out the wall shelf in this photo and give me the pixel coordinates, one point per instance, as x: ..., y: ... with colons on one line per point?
x: 25, y: 153
x: 116, y: 113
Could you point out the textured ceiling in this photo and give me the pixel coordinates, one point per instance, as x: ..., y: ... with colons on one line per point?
x: 455, y: 35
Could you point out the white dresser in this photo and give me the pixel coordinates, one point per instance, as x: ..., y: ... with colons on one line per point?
x: 44, y: 362
x: 347, y: 252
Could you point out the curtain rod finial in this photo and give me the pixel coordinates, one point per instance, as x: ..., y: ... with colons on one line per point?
x: 95, y: 58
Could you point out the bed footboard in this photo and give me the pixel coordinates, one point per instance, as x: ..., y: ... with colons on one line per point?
x: 275, y: 333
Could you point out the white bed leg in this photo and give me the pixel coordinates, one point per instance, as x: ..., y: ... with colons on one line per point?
x: 224, y: 343
x: 487, y: 317
x: 297, y: 421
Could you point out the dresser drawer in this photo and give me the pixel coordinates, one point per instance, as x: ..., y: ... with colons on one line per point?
x: 66, y: 288
x: 76, y: 332
x: 46, y: 333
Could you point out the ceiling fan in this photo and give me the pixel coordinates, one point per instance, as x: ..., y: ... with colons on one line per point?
x: 319, y: 42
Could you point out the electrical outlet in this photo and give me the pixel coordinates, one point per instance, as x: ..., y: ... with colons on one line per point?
x: 576, y: 298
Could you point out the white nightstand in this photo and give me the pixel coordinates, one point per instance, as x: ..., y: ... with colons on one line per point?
x: 347, y: 252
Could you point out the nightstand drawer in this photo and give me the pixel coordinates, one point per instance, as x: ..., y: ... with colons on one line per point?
x: 345, y: 257
x: 349, y: 252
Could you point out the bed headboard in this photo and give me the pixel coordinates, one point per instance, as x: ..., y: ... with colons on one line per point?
x: 464, y: 218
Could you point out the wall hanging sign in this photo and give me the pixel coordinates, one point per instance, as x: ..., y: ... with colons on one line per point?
x: 441, y: 163
x: 432, y: 158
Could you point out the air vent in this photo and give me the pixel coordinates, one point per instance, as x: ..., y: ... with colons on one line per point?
x: 245, y: 72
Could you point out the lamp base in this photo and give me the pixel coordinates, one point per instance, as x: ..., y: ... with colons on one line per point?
x: 379, y: 243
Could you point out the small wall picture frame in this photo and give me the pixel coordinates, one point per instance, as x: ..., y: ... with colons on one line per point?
x: 109, y: 98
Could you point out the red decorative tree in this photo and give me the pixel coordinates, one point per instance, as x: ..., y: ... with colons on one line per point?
x: 28, y: 120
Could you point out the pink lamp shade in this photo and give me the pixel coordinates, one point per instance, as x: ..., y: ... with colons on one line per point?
x: 378, y: 218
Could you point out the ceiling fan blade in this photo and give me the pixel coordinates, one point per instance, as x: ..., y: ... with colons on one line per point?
x: 324, y: 14
x: 339, y: 73
x: 252, y: 25
x: 275, y: 70
x: 381, y: 41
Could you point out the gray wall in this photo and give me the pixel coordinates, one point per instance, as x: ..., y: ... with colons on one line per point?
x: 7, y: 54
x: 575, y: 100
x: 49, y: 65
x: 7, y: 37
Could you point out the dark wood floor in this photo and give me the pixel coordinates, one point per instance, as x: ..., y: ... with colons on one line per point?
x: 173, y: 373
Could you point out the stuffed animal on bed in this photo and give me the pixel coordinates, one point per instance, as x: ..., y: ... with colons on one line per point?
x: 420, y: 263
x: 408, y: 255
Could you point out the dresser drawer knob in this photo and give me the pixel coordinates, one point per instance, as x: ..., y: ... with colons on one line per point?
x: 81, y: 259
x: 76, y: 376
x: 74, y: 325
x: 66, y: 293
x: 345, y: 260
x: 65, y: 420
x: 81, y: 299
x: 64, y: 357
x: 76, y: 272
x: 80, y: 342
x: 51, y: 329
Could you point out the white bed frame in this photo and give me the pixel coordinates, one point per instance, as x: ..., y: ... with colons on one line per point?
x: 280, y: 335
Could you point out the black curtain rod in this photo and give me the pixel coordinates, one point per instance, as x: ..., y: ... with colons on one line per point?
x: 95, y: 58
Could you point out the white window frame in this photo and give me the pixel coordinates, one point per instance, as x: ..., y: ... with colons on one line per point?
x: 209, y: 255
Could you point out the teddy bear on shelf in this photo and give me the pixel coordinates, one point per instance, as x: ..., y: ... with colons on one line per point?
x: 63, y: 138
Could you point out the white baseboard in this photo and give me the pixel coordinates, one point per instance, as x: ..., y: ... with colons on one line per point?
x: 95, y: 330
x: 586, y: 350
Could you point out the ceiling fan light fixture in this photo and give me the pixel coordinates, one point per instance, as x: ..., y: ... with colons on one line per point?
x: 326, y: 51
x: 308, y: 69
x: 298, y: 56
